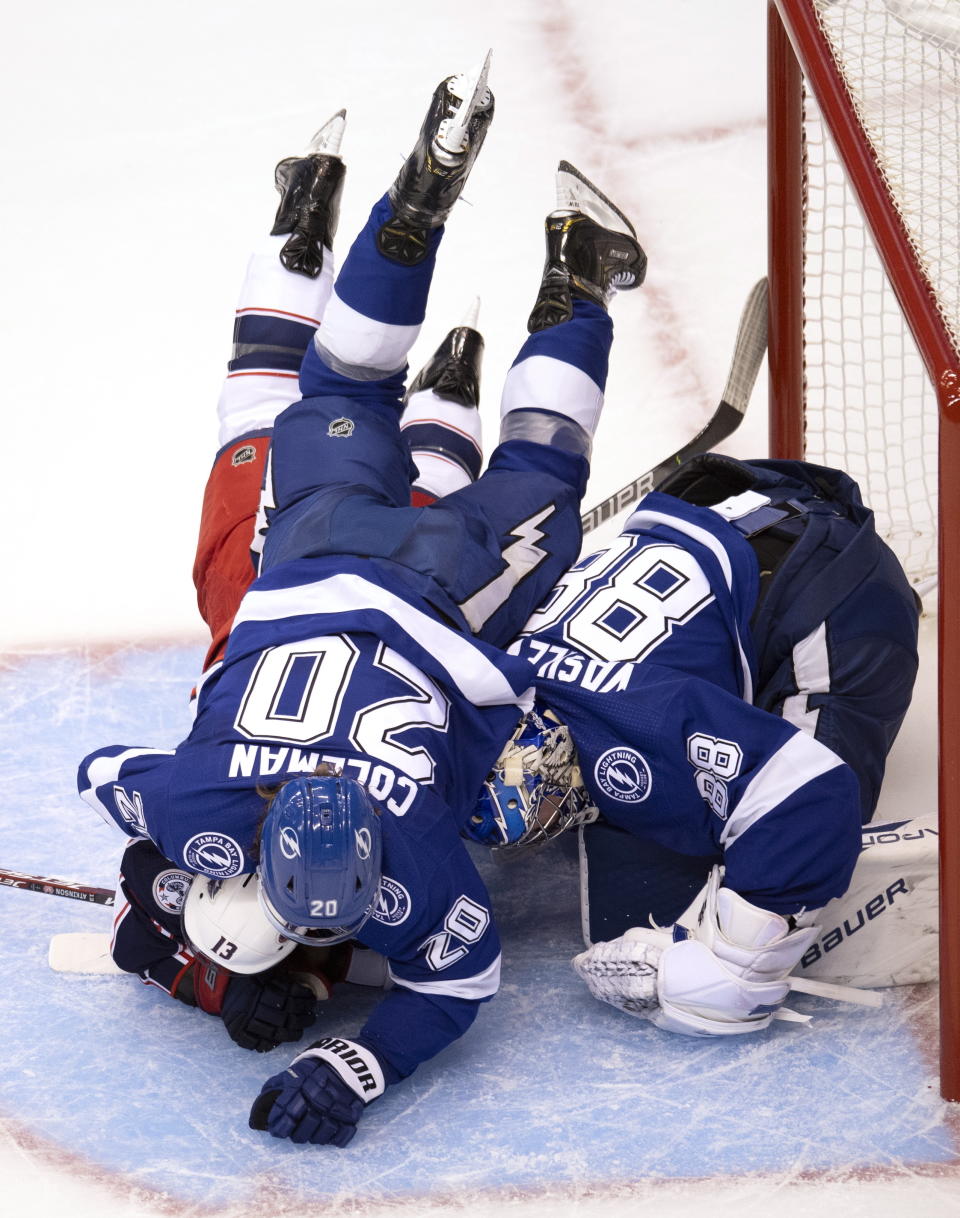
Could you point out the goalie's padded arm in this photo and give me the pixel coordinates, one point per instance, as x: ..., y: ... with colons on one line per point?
x: 802, y: 852
x: 790, y: 829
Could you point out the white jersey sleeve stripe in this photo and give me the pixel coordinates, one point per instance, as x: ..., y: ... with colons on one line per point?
x: 476, y: 676
x: 203, y: 679
x: 799, y: 761
x: 481, y: 985
x: 811, y: 670
x: 107, y: 770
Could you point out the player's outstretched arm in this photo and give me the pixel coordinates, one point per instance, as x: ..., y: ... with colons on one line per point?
x: 324, y: 1091
x: 259, y: 1012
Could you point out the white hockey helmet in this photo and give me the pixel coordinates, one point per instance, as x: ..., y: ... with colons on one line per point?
x: 222, y: 920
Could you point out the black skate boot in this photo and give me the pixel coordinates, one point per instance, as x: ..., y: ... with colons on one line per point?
x: 592, y: 251
x: 310, y: 187
x: 453, y: 371
x: 434, y: 173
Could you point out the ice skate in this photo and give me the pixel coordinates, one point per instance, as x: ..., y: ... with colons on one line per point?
x: 440, y: 420
x: 434, y: 173
x: 453, y: 371
x: 310, y: 188
x: 592, y: 251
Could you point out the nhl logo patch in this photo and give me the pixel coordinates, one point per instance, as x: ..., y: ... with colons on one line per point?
x: 341, y: 429
x: 624, y: 775
x: 170, y: 890
x: 243, y: 456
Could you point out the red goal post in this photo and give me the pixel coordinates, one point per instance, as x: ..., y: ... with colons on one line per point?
x: 864, y: 347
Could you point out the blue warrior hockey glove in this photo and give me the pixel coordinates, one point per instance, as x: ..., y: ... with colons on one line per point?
x: 321, y: 1095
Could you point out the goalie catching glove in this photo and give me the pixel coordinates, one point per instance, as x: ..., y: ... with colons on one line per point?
x: 728, y: 975
x: 321, y: 1095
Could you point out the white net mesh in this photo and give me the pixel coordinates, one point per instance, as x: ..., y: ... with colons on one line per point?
x: 870, y: 408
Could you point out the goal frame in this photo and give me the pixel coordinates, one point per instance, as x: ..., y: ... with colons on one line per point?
x: 797, y: 51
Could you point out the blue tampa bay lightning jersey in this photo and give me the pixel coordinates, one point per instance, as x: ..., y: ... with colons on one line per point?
x: 334, y: 659
x: 328, y: 660
x: 644, y: 650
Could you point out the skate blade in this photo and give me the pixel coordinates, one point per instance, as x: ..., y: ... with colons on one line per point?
x: 471, y: 88
x: 577, y: 193
x: 472, y: 315
x: 327, y: 141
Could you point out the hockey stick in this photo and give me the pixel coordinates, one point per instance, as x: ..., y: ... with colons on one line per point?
x: 56, y: 888
x: 748, y: 353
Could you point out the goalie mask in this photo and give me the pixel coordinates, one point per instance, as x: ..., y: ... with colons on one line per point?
x: 535, y: 790
x: 320, y: 859
x: 223, y: 921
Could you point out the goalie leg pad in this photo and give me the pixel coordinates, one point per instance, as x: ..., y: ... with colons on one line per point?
x: 884, y: 929
x: 700, y: 996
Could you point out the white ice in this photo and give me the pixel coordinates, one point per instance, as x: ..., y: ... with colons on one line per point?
x: 139, y: 143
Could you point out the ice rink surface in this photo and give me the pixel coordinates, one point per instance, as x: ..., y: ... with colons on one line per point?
x: 140, y: 148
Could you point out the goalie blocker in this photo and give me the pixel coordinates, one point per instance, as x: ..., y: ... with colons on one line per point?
x: 882, y: 932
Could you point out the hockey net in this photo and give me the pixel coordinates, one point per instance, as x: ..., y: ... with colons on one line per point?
x: 864, y: 161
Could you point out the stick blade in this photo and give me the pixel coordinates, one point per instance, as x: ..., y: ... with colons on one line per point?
x: 82, y: 952
x: 749, y: 349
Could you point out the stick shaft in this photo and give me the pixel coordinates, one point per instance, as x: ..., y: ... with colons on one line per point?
x: 748, y: 353
x: 56, y: 888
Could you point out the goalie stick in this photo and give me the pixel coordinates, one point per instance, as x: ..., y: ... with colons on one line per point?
x: 56, y: 888
x: 748, y: 353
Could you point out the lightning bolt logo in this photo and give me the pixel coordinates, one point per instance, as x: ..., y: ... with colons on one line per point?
x: 621, y: 778
x: 522, y: 556
x: 624, y: 775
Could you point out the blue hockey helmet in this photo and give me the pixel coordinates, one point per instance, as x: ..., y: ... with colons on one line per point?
x: 320, y: 854
x: 535, y: 790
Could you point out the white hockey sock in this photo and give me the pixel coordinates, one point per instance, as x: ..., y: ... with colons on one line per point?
x: 253, y: 396
x: 445, y: 442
